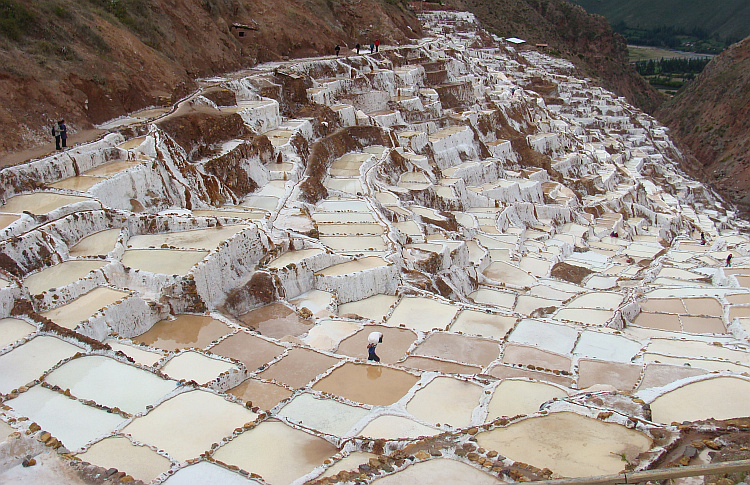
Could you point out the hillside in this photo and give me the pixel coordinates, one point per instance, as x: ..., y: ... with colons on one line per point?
x: 728, y: 18
x: 587, y: 40
x: 711, y: 116
x: 93, y: 60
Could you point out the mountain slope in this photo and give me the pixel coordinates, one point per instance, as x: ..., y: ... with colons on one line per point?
x: 92, y: 60
x: 711, y: 116
x: 587, y: 40
x: 727, y: 18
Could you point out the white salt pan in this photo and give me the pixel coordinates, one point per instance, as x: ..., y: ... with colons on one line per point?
x: 605, y: 346
x: 60, y: 275
x: 514, y: 397
x: 374, y: 307
x: 394, y: 427
x: 70, y: 421
x: 83, y: 307
x: 194, y: 366
x: 422, y: 314
x: 139, y: 462
x: 206, y: 472
x: 556, y: 338
x: 111, y: 383
x: 186, y: 425
x: 457, y: 399
x: 275, y: 451
x: 164, y: 261
x: 718, y: 398
x: 567, y: 443
x: 206, y: 239
x: 13, y: 329
x: 31, y: 360
x: 325, y: 415
x: 438, y: 472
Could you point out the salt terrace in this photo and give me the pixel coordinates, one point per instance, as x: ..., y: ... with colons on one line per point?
x: 187, y: 313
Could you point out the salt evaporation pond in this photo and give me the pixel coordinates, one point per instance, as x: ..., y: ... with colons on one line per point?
x: 514, y: 397
x: 373, y: 308
x: 253, y: 351
x: 422, y: 314
x: 40, y: 202
x: 207, y: 472
x: 99, y: 243
x: 369, y: 384
x: 298, y: 367
x: 70, y: 421
x: 396, y: 427
x: 194, y: 366
x: 325, y: 415
x: 165, y: 261
x: 206, y: 239
x: 31, y: 360
x: 186, y: 425
x: 83, y: 307
x: 60, y: 275
x: 265, y: 395
x: 184, y: 331
x: 111, y: 383
x: 7, y: 219
x: 141, y: 462
x: 438, y: 472
x: 293, y: 257
x: 277, y: 452
x: 112, y: 168
x: 457, y: 399
x: 571, y: 444
x: 13, y: 329
x: 396, y: 342
x: 717, y: 398
x: 276, y: 320
x: 79, y: 184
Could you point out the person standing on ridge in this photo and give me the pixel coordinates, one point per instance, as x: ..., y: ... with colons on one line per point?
x: 337, y: 49
x: 377, y: 46
x: 56, y: 134
x: 357, y: 46
x: 373, y: 340
x: 729, y: 260
x: 63, y: 133
x: 372, y: 47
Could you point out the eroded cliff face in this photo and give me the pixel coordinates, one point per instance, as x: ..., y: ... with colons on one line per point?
x: 88, y: 63
x: 711, y: 117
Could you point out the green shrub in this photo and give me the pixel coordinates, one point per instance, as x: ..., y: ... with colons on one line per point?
x: 15, y: 19
x: 62, y: 12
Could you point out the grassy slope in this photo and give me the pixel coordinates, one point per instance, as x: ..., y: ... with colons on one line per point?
x: 727, y: 18
x: 712, y: 117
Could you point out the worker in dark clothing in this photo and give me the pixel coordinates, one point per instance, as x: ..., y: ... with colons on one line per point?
x: 373, y: 340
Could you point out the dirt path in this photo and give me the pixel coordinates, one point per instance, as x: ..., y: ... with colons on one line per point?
x: 15, y: 158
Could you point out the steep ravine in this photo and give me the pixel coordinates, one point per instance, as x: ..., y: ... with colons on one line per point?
x: 711, y: 118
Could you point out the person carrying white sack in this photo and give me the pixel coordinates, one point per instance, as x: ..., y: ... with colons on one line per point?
x: 373, y: 340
